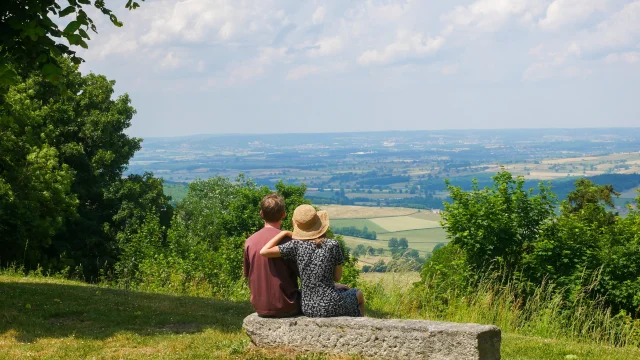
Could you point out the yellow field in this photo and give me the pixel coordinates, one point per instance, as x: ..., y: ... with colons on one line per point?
x: 403, y: 223
x: 550, y: 169
x: 364, y: 212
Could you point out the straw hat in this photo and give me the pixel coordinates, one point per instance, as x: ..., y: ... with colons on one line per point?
x: 308, y: 223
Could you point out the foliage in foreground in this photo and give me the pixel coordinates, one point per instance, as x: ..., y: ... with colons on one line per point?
x: 203, y: 249
x: 586, y: 249
x: 63, y: 200
x: 545, y: 314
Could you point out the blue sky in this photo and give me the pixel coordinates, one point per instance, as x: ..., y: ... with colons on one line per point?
x: 268, y: 66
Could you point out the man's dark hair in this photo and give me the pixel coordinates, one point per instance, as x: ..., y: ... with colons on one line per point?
x: 272, y: 207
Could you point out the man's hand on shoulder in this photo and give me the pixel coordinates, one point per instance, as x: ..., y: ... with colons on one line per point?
x: 341, y: 287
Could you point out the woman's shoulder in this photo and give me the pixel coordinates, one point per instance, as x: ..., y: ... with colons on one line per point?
x: 332, y: 242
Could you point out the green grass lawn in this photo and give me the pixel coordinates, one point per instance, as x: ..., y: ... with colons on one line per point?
x: 57, y: 319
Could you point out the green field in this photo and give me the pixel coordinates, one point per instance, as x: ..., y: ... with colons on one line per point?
x: 422, y: 240
x: 422, y: 229
x: 358, y: 223
x: 352, y: 242
x: 177, y: 191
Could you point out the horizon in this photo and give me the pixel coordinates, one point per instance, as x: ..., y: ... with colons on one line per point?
x: 391, y: 131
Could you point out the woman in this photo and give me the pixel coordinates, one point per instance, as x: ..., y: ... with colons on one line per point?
x: 320, y: 263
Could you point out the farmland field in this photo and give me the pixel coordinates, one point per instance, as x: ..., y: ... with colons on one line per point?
x: 352, y: 242
x: 364, y: 212
x: 423, y: 240
x: 358, y: 223
x: 422, y: 229
x: 403, y: 223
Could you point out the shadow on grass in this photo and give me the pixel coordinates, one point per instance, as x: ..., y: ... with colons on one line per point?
x: 37, y: 310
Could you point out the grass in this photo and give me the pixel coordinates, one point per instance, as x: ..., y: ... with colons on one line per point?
x: 53, y: 318
x: 587, y: 331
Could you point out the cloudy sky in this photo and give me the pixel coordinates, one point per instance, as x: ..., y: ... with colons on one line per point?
x: 265, y: 66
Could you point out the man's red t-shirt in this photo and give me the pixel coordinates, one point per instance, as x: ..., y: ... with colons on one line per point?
x: 273, y: 282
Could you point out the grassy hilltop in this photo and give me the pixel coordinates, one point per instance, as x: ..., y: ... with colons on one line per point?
x: 52, y: 319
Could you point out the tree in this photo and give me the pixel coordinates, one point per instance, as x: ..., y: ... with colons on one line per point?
x: 412, y: 253
x: 359, y: 250
x: 393, y: 243
x: 63, y: 148
x: 371, y: 251
x: 30, y: 39
x: 494, y: 226
x: 403, y: 243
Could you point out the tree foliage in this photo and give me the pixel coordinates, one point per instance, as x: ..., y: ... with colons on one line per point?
x: 507, y: 233
x: 495, y: 225
x: 31, y: 38
x: 63, y: 200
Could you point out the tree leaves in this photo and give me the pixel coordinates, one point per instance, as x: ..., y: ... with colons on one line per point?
x: 66, y: 11
x: 72, y: 27
x: 31, y: 33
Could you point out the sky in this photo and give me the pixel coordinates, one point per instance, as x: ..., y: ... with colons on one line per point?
x: 291, y: 66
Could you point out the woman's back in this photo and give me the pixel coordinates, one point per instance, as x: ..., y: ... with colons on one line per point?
x: 316, y: 264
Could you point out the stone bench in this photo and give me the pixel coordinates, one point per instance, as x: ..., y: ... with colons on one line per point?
x: 376, y: 338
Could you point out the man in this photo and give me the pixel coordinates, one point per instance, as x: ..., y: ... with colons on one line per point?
x: 273, y: 282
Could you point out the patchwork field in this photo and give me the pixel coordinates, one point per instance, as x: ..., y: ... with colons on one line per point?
x: 421, y: 228
x: 550, y: 169
x: 423, y: 240
x: 364, y: 212
x: 403, y: 223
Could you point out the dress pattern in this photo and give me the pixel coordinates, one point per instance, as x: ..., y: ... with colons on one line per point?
x: 316, y: 264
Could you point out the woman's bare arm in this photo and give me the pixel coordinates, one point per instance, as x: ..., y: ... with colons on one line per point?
x: 271, y: 249
x: 337, y: 273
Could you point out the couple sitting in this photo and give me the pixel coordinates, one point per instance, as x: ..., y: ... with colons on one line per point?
x: 274, y: 259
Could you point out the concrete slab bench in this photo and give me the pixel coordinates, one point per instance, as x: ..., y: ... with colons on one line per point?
x: 377, y: 338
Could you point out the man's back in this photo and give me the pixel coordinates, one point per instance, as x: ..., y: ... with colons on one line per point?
x: 273, y: 282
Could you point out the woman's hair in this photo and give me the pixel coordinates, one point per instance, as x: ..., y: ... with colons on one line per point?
x: 319, y: 240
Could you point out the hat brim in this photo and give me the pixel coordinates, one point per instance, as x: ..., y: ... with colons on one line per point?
x: 318, y: 229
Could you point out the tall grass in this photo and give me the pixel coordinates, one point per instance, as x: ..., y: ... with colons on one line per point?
x: 544, y: 314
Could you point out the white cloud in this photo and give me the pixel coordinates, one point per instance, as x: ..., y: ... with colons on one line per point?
x: 301, y: 71
x: 115, y: 44
x: 554, y: 62
x: 327, y: 46
x: 318, y: 15
x: 619, y: 30
x: 450, y: 69
x: 306, y: 70
x: 407, y: 45
x: 256, y: 67
x: 170, y: 61
x: 631, y: 57
x: 207, y: 21
x: 491, y: 15
x: 564, y: 12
